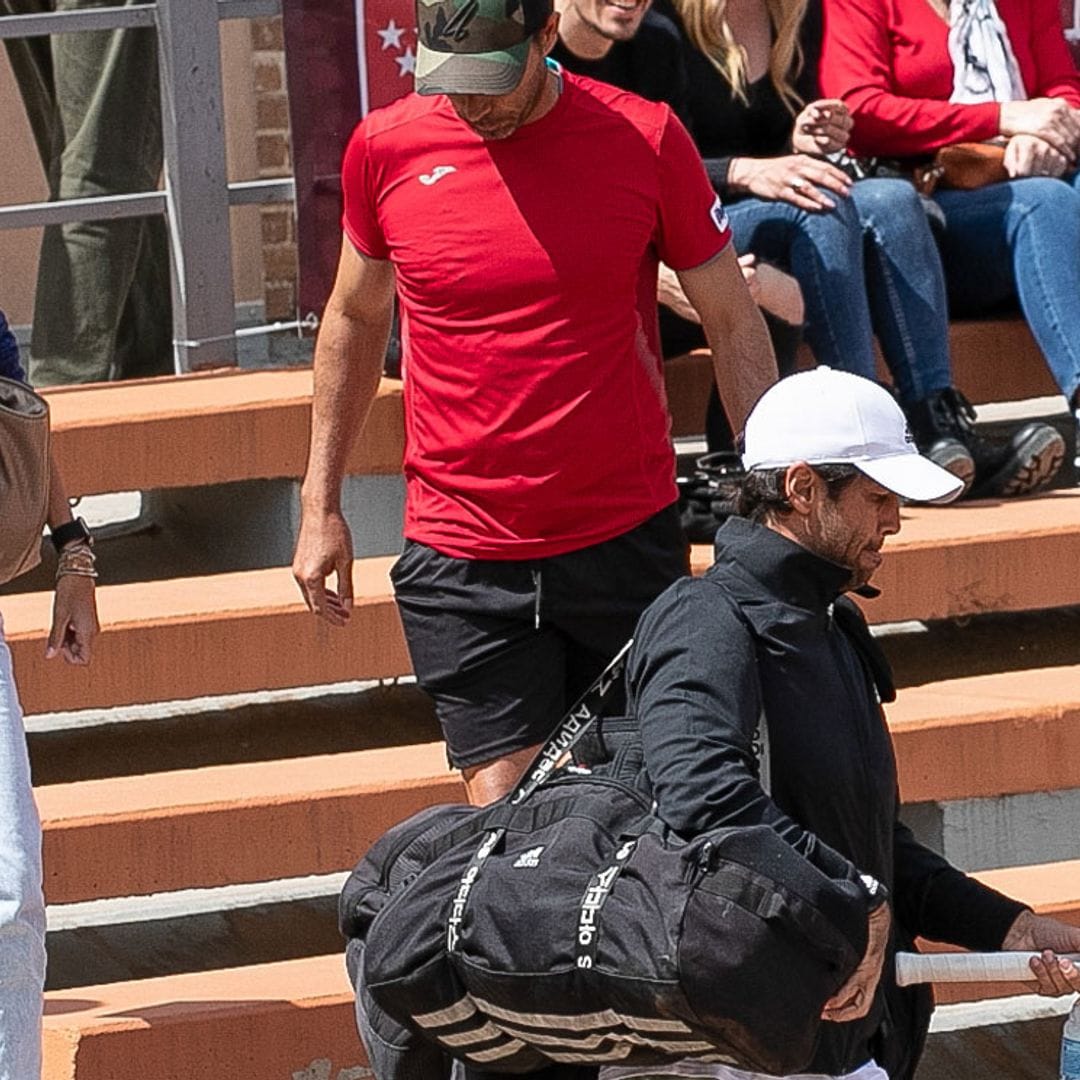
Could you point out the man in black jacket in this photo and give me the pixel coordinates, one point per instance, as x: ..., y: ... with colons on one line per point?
x: 758, y: 687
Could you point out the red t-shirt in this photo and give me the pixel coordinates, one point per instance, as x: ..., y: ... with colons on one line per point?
x: 535, y: 412
x: 889, y: 60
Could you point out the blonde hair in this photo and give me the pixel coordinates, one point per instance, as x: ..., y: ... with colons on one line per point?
x: 708, y: 29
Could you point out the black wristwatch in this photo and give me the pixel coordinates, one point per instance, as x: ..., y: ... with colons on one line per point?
x: 71, y: 530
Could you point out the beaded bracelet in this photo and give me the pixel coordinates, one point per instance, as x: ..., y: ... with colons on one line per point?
x: 78, y: 560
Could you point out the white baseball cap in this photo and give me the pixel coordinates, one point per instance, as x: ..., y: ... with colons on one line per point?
x: 827, y: 417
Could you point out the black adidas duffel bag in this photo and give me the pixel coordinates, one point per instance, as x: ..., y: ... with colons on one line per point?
x: 570, y: 926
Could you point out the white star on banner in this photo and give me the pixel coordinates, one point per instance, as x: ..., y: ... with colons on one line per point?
x: 406, y: 62
x: 391, y: 36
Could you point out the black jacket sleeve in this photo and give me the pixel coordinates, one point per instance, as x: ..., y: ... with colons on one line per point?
x: 693, y: 685
x: 935, y: 900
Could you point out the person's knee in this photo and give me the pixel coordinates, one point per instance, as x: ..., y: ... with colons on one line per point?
x: 1047, y: 197
x: 891, y: 203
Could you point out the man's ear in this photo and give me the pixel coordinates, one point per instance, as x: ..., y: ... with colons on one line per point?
x: 801, y: 487
x: 548, y: 34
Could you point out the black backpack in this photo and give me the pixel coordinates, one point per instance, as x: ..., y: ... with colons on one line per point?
x: 566, y: 924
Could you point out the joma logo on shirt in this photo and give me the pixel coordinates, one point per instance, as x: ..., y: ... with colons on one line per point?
x: 436, y: 174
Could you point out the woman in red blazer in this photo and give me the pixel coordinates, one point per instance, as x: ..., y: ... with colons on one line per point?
x: 890, y: 61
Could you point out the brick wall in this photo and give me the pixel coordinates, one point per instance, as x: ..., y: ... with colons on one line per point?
x: 274, y: 156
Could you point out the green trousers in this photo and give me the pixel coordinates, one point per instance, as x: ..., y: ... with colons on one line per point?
x: 103, y: 306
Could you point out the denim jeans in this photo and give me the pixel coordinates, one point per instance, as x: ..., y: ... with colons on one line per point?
x: 22, y: 910
x: 1020, y: 240
x: 870, y: 266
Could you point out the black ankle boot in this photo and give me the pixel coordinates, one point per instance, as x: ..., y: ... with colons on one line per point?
x: 938, y: 435
x: 1003, y: 466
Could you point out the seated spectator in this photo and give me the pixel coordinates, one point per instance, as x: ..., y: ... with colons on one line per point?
x: 637, y: 49
x: 863, y: 253
x: 918, y: 75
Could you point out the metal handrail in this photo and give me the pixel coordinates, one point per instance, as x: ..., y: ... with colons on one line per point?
x: 119, y: 18
x: 136, y: 204
x: 197, y: 197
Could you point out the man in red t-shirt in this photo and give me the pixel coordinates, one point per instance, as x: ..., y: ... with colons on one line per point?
x: 521, y: 214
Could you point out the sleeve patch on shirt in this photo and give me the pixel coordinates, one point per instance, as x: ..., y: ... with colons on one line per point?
x: 719, y: 215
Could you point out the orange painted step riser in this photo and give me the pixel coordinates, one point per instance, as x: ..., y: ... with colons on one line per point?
x: 136, y: 855
x: 1012, y: 755
x: 248, y: 1024
x: 996, y: 360
x: 227, y: 654
x: 138, y: 851
x: 224, y: 426
x: 276, y: 1041
x: 211, y: 428
x: 248, y: 631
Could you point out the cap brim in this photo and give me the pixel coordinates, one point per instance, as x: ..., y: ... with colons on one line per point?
x: 490, y: 73
x: 912, y: 477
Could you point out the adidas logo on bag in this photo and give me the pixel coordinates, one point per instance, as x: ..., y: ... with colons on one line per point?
x: 530, y: 859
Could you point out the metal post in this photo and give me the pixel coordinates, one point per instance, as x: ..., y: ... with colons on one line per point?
x: 196, y: 184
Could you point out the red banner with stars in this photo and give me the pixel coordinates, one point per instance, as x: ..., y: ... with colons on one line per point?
x: 342, y: 59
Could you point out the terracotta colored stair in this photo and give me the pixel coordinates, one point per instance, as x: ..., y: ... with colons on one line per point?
x: 1004, y: 734
x: 233, y: 633
x: 991, y: 735
x: 296, y: 1018
x: 221, y: 426
x: 992, y: 360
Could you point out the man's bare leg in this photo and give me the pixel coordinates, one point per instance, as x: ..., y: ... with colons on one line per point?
x: 493, y: 779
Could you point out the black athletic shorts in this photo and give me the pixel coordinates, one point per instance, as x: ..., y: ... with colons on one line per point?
x: 506, y: 647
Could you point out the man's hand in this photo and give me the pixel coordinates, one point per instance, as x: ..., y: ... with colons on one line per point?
x: 823, y: 127
x: 1028, y: 155
x: 1034, y: 933
x: 795, y: 178
x: 853, y: 1000
x: 324, y: 547
x: 75, y: 622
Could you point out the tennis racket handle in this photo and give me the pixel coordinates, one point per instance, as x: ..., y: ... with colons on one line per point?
x: 966, y: 967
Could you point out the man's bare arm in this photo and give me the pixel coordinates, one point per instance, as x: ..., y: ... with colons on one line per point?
x: 743, y: 360
x: 348, y: 364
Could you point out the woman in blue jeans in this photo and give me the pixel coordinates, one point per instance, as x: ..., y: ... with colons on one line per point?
x: 918, y: 75
x: 22, y: 909
x: 862, y: 252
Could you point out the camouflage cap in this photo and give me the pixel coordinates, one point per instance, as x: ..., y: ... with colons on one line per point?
x: 474, y: 46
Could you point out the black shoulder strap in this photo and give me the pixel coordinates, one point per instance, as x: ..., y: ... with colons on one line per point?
x: 574, y: 725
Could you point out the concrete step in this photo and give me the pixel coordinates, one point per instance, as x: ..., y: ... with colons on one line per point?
x: 221, y: 426
x: 957, y: 561
x: 193, y: 637
x: 988, y: 735
x: 969, y: 738
x: 204, y: 428
x: 232, y: 633
x: 295, y: 1018
x: 292, y: 1019
x: 993, y: 360
x: 230, y: 824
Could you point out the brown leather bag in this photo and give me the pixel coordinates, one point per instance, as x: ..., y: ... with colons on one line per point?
x: 963, y: 166
x: 24, y: 477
